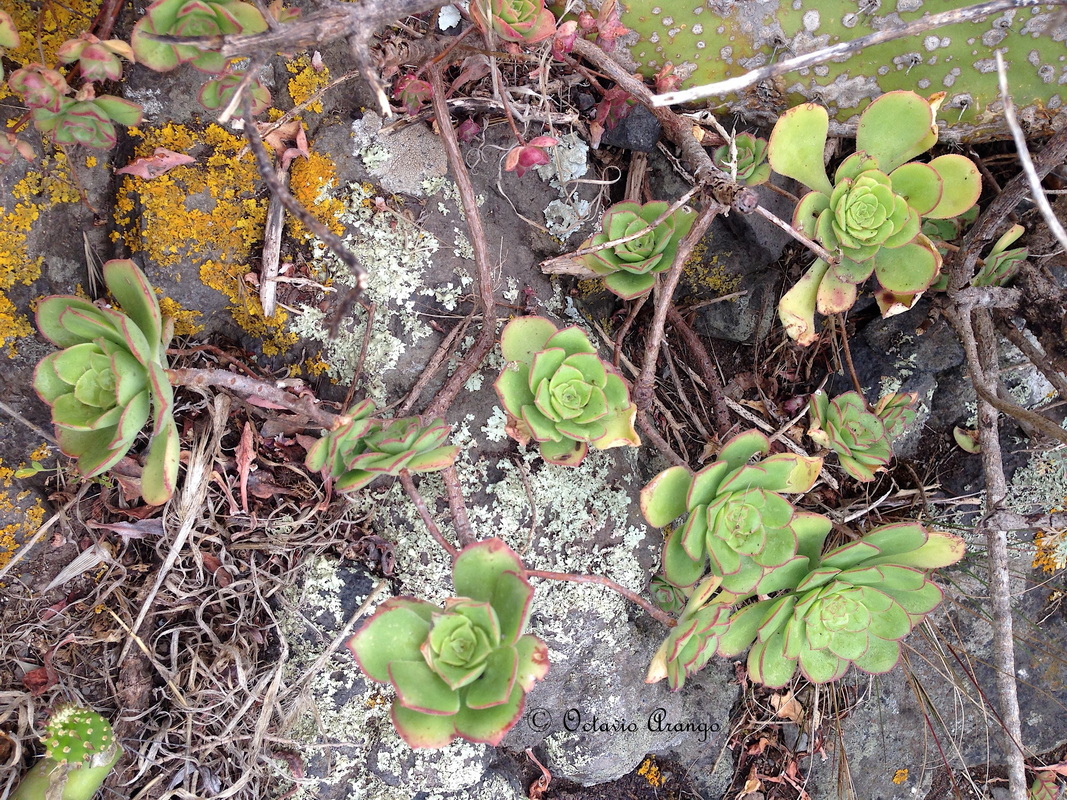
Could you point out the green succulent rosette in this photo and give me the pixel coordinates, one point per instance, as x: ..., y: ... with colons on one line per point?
x: 80, y: 751
x: 363, y: 448
x: 751, y: 165
x: 190, y: 18
x: 109, y: 378
x: 515, y: 20
x: 870, y: 217
x: 629, y: 269
x: 858, y: 436
x: 87, y: 120
x: 693, y: 641
x: 736, y: 517
x: 462, y: 670
x: 558, y: 392
x: 854, y: 608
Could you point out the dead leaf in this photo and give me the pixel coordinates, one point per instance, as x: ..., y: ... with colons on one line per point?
x: 132, y: 530
x: 245, y: 456
x: 40, y: 680
x: 214, y: 566
x: 162, y: 162
x: 786, y: 706
x: 752, y: 785
x: 287, y: 141
x: 1059, y: 769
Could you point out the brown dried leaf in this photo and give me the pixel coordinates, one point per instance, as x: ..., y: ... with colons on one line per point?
x: 786, y: 706
x: 162, y: 162
x: 214, y: 566
x: 246, y: 454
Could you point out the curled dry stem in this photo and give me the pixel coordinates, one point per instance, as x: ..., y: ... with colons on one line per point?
x: 424, y: 513
x: 679, y: 130
x: 633, y: 597
x: 643, y: 390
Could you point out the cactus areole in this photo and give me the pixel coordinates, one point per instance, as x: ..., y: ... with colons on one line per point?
x: 80, y: 750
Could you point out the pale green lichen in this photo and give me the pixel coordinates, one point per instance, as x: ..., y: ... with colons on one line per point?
x: 400, y: 255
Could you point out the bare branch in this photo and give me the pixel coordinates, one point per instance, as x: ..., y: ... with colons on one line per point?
x: 664, y: 297
x: 633, y: 597
x: 1032, y: 177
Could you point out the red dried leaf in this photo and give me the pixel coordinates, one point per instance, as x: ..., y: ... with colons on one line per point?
x: 214, y: 566
x: 162, y: 162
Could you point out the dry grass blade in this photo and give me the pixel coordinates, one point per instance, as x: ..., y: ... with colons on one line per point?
x: 1038, y: 194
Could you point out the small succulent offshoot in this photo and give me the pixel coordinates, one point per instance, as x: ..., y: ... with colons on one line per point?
x: 558, y: 392
x: 629, y: 269
x: 736, y: 517
x: 80, y: 750
x: 462, y: 670
x: 525, y: 21
x: 694, y: 640
x: 751, y: 165
x: 109, y: 378
x: 870, y: 216
x: 87, y: 119
x: 363, y: 448
x: 862, y: 439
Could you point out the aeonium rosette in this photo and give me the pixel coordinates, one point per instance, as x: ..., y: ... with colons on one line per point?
x: 870, y: 216
x: 462, y: 670
x: 515, y: 20
x: 109, y: 378
x: 853, y: 607
x: 558, y: 392
x: 629, y: 268
x: 190, y: 18
x: 737, y: 520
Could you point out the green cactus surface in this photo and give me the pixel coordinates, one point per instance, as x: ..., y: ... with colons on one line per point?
x: 80, y: 750
x: 711, y: 40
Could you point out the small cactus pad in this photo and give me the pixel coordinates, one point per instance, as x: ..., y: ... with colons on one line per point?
x: 75, y: 735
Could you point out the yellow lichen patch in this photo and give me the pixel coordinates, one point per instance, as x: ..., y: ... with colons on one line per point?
x: 206, y: 214
x: 43, y: 27
x: 53, y: 182
x: 13, y: 505
x: 1050, y: 551
x: 185, y: 320
x: 38, y: 190
x: 314, y: 367
x: 709, y: 274
x: 651, y: 773
x: 306, y: 81
x: 313, y: 181
x: 900, y: 776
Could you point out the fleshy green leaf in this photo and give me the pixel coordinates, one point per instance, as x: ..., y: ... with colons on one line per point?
x: 663, y: 498
x: 796, y: 146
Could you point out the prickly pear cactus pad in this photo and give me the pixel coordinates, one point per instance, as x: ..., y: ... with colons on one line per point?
x: 711, y: 40
x: 76, y: 735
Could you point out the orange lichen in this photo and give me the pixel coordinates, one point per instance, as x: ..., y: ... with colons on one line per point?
x: 43, y: 27
x: 900, y: 776
x: 185, y: 320
x: 207, y: 213
x: 1048, y: 550
x: 313, y: 181
x: 314, y: 367
x: 651, y: 773
x: 306, y: 81
x: 13, y: 505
